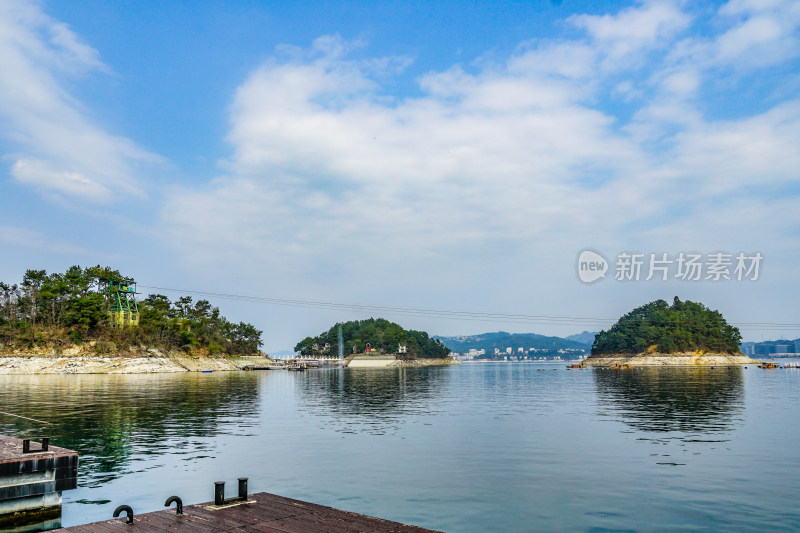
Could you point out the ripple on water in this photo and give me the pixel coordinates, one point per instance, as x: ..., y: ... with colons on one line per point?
x: 480, y: 447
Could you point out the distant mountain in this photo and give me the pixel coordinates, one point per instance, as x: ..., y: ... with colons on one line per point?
x: 779, y: 341
x: 586, y: 337
x: 501, y: 340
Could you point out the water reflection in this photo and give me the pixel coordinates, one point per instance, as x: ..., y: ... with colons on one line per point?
x: 371, y: 400
x: 687, y: 400
x: 113, y: 421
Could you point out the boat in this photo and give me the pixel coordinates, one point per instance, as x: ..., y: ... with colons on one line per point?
x: 769, y: 365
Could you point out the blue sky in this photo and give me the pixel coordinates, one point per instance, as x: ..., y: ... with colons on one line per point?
x: 446, y: 155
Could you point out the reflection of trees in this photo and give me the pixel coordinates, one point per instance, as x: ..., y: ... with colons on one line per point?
x: 109, y: 419
x: 673, y: 399
x: 377, y: 398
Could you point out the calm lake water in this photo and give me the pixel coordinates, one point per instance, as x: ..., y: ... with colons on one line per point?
x: 475, y: 447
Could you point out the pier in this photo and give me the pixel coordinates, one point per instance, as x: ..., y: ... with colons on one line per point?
x: 32, y: 476
x: 261, y: 512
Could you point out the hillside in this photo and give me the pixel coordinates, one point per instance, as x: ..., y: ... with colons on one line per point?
x: 379, y: 334
x: 585, y: 337
x: 532, y: 344
x: 679, y: 328
x: 97, y: 309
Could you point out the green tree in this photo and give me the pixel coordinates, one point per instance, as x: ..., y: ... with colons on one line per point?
x: 72, y: 306
x: 380, y: 334
x: 684, y: 326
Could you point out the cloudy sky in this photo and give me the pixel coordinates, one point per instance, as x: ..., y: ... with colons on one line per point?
x: 431, y: 155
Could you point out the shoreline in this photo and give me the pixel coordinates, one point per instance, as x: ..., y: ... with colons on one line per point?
x: 154, y: 363
x: 121, y: 364
x: 698, y: 358
x: 391, y: 362
x: 443, y: 361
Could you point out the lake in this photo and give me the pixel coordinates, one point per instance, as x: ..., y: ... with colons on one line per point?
x: 474, y: 447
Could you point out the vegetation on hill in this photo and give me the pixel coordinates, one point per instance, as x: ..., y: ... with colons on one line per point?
x: 59, y: 310
x: 532, y: 344
x: 379, y: 333
x: 681, y: 327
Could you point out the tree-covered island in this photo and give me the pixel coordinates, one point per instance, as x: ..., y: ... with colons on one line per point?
x: 373, y: 336
x: 661, y: 334
x: 98, y: 307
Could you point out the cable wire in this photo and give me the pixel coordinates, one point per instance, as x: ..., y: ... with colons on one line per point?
x: 442, y: 313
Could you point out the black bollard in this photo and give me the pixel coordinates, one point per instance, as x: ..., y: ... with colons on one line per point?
x: 178, y: 501
x: 45, y: 443
x: 243, y: 488
x: 127, y: 510
x: 26, y: 445
x: 219, y: 493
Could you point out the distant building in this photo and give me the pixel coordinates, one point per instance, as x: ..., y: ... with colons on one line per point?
x: 764, y: 349
x: 783, y: 348
x: 509, y: 350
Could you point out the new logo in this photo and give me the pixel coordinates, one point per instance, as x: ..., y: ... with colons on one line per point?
x: 591, y: 266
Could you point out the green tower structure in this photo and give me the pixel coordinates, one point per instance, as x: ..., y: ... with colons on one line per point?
x: 121, y: 302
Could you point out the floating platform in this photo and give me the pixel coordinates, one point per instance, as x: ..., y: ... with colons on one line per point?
x: 261, y: 512
x: 32, y: 476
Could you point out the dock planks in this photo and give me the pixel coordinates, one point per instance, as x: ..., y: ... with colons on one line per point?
x: 262, y: 513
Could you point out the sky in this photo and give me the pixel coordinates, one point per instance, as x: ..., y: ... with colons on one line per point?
x: 452, y: 156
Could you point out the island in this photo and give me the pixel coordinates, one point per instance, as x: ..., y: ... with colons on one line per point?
x: 376, y: 342
x: 92, y: 320
x: 658, y: 334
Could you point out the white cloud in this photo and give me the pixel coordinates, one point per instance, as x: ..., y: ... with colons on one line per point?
x: 42, y: 174
x: 753, y: 35
x: 62, y: 150
x: 519, y: 150
x: 496, y: 174
x: 729, y: 156
x: 767, y: 37
x: 625, y: 36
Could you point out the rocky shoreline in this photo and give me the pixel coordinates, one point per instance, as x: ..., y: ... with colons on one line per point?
x: 387, y: 361
x: 430, y: 362
x: 140, y: 361
x: 119, y: 364
x: 698, y: 358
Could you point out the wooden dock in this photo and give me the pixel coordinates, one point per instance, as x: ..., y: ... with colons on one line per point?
x: 32, y: 476
x: 262, y: 512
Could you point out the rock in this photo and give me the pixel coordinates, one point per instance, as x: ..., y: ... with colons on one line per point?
x: 675, y: 359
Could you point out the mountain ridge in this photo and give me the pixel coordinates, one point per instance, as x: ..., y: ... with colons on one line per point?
x: 533, y: 344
